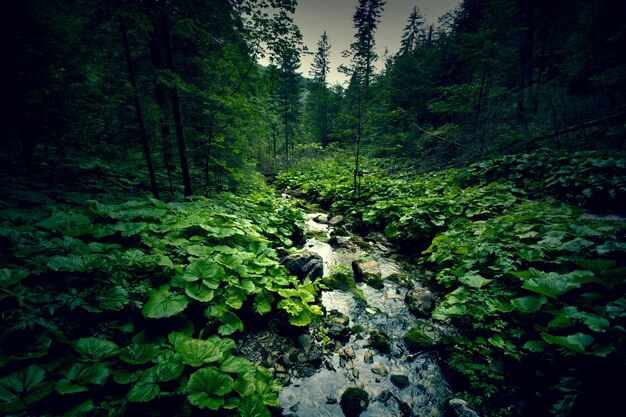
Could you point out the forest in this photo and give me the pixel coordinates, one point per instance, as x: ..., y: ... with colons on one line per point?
x: 192, y: 225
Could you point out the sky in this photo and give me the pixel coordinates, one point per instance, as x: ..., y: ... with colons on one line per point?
x: 335, y: 16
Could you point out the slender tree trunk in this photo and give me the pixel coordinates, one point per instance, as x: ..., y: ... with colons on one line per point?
x: 160, y: 95
x: 359, y: 132
x: 138, y: 112
x: 525, y: 59
x: 286, y: 123
x: 176, y: 108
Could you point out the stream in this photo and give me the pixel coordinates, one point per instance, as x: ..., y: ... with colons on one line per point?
x: 354, y: 363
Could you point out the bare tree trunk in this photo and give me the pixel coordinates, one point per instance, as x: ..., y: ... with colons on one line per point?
x: 176, y: 109
x: 138, y: 112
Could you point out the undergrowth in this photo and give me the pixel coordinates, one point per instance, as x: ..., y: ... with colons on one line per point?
x: 533, y: 281
x: 136, y: 307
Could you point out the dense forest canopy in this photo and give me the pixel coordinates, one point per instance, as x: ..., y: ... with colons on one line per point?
x: 137, y: 140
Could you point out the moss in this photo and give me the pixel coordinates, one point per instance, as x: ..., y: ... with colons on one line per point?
x: 321, y: 236
x: 416, y: 340
x: 400, y: 381
x: 402, y: 280
x: 341, y: 278
x: 358, y: 329
x: 380, y: 341
x: 353, y: 402
x: 374, y: 281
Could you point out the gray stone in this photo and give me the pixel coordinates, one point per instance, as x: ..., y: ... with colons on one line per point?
x: 305, y: 342
x: 304, y: 264
x: 460, y: 408
x: 339, y: 333
x: 350, y: 352
x: 315, y: 357
x: 340, y: 241
x: 331, y: 400
x: 336, y: 220
x: 320, y: 217
x: 368, y: 271
x: 380, y: 369
x: 420, y: 301
x: 337, y: 318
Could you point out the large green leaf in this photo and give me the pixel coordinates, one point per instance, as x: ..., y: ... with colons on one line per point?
x: 528, y: 304
x: 207, y: 387
x: 211, y: 273
x: 80, y: 375
x: 263, y: 302
x: 94, y: 349
x: 253, y: 406
x: 196, y: 352
x: 24, y: 387
x: 553, y: 284
x: 145, y: 389
x: 577, y: 342
x: 474, y: 280
x: 199, y: 291
x: 140, y: 353
x: 163, y: 303
x: 230, y: 324
x: 237, y: 365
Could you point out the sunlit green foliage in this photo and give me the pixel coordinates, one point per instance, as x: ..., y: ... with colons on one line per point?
x: 535, y: 286
x: 132, y: 302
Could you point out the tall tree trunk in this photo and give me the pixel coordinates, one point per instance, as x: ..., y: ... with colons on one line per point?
x: 359, y: 132
x: 526, y: 57
x: 286, y: 123
x: 160, y: 95
x: 138, y: 112
x: 176, y: 108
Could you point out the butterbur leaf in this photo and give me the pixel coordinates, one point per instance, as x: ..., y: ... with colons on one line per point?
x: 552, y: 284
x: 253, y: 406
x: 145, y: 389
x: 139, y: 353
x: 206, y: 270
x: 535, y: 345
x: 472, y: 279
x: 82, y: 374
x: 199, y: 291
x: 163, y: 303
x: 168, y: 371
x: 237, y: 365
x: 93, y: 349
x: 528, y: 304
x: 263, y: 303
x: 207, y: 387
x: 230, y: 324
x: 196, y: 352
x: 24, y: 387
x: 577, y: 342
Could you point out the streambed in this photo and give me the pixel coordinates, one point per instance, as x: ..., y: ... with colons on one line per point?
x: 352, y: 362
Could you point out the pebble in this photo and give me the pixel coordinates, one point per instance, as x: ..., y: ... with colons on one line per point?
x: 350, y: 352
x: 379, y: 369
x: 368, y: 357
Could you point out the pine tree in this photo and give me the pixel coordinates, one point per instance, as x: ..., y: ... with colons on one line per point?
x: 319, y: 71
x: 366, y: 20
x: 414, y: 33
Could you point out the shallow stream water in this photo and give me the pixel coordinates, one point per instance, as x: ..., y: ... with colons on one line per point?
x: 385, y: 310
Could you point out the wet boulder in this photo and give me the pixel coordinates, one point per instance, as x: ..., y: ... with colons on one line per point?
x: 420, y: 301
x: 367, y: 271
x: 354, y: 401
x: 460, y: 408
x: 304, y: 264
x: 379, y: 340
x: 400, y: 381
x: 417, y: 341
x: 336, y: 220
